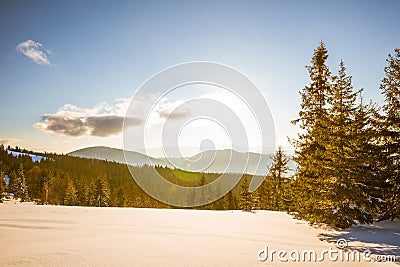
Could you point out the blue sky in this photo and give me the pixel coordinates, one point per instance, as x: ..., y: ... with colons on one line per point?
x: 100, y: 51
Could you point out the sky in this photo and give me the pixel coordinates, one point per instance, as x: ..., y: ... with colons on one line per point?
x: 68, y: 69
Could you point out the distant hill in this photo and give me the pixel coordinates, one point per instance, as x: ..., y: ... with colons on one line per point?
x: 212, y: 161
x: 117, y: 155
x: 227, y: 160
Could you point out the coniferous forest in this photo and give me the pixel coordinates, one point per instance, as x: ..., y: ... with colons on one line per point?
x: 347, y: 155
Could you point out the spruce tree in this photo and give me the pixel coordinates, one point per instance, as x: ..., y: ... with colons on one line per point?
x: 312, y: 185
x: 121, y: 198
x: 219, y: 203
x: 102, y: 192
x: 230, y: 201
x: 336, y: 155
x: 390, y: 87
x: 21, y: 190
x: 277, y: 175
x: 349, y: 152
x: 71, y: 196
x: 2, y: 185
x: 246, y: 201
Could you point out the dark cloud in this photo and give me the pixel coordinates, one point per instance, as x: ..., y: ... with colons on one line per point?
x: 101, y: 126
x: 109, y: 125
x: 63, y: 125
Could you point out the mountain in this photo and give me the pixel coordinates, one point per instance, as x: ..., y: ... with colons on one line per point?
x: 227, y: 160
x: 216, y: 161
x: 117, y: 155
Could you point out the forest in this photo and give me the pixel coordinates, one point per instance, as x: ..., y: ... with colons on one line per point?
x: 347, y: 156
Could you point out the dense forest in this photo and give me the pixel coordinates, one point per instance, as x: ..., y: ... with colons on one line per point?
x: 67, y: 180
x: 347, y: 155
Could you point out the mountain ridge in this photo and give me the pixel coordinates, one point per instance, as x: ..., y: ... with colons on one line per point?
x: 217, y: 161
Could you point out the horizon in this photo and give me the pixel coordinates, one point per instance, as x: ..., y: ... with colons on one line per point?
x: 154, y: 153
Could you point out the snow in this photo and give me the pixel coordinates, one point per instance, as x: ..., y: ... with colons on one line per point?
x: 35, y: 158
x: 37, y: 235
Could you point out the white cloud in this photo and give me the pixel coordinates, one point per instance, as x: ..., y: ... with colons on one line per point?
x: 35, y: 51
x: 172, y: 110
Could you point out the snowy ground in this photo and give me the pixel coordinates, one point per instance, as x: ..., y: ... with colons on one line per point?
x: 32, y: 235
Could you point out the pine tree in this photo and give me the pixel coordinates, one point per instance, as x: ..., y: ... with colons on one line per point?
x: 349, y: 149
x: 102, y: 191
x: 202, y: 195
x: 230, y: 201
x: 246, y: 201
x: 2, y: 184
x: 312, y: 185
x: 277, y: 175
x: 336, y: 155
x: 71, y: 196
x: 219, y: 203
x: 121, y: 197
x: 21, y: 190
x: 390, y: 87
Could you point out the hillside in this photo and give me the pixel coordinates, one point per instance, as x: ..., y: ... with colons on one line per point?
x: 117, y: 155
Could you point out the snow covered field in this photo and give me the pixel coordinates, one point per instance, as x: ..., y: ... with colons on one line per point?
x: 32, y: 235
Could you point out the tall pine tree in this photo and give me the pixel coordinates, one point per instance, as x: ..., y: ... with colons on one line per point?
x: 312, y: 184
x: 348, y: 170
x: 390, y: 87
x: 335, y: 152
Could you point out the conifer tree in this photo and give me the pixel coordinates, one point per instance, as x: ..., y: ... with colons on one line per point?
x: 277, y: 175
x: 246, y: 201
x: 219, y: 203
x: 71, y: 196
x: 2, y: 184
x: 349, y: 151
x: 121, y: 198
x: 102, y: 191
x: 230, y: 201
x: 21, y: 190
x: 336, y: 156
x: 312, y: 187
x: 390, y: 87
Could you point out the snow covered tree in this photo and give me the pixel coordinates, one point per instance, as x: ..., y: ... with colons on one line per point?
x: 102, y: 191
x: 71, y: 196
x: 21, y: 188
x: 390, y: 87
x: 246, y: 200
